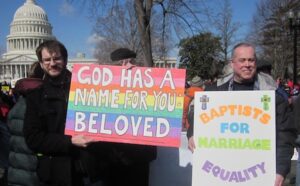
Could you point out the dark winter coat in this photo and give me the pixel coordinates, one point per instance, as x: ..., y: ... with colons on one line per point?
x: 23, y: 162
x: 296, y: 110
x: 285, y: 128
x: 44, y: 131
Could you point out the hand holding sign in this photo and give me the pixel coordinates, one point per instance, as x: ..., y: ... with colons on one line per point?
x: 81, y: 140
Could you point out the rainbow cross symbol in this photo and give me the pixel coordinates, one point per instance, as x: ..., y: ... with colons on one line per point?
x: 266, y: 100
x: 204, y: 100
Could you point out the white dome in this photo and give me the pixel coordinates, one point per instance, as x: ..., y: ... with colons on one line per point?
x: 30, y: 11
x: 29, y: 28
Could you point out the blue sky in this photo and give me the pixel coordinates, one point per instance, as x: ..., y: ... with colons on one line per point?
x: 73, y: 28
x: 69, y: 21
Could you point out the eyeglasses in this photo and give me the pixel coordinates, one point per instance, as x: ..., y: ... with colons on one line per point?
x: 124, y: 62
x: 56, y: 59
x: 243, y: 60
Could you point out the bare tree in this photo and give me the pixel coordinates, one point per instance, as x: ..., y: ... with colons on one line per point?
x: 156, y: 22
x: 271, y: 33
x: 117, y: 29
x: 143, y: 11
x: 180, y: 19
x: 226, y: 28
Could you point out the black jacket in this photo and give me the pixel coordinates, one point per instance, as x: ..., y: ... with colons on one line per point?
x: 285, y: 130
x: 44, y: 131
x: 296, y: 110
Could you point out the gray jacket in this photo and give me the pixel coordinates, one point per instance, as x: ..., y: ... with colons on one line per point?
x: 22, y: 169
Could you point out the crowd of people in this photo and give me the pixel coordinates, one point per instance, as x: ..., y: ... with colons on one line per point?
x: 35, y: 150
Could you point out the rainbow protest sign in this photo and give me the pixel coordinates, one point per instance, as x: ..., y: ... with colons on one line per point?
x: 139, y: 105
x: 234, y: 133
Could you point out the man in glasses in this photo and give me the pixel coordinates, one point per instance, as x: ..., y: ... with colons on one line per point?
x: 45, y: 119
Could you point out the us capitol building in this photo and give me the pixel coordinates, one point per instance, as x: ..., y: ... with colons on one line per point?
x: 29, y: 28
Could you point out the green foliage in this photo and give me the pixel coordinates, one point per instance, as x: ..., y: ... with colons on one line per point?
x: 199, y: 55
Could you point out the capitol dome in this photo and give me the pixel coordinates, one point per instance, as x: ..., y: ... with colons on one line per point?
x: 30, y: 11
x: 29, y: 28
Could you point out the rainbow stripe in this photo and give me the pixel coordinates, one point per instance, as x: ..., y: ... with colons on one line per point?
x: 139, y: 106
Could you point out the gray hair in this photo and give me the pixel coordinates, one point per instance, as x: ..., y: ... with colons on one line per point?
x: 243, y: 44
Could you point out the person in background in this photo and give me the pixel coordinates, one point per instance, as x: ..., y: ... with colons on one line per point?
x: 126, y: 164
x: 281, y: 89
x: 196, y: 84
x: 4, y: 145
x: 296, y: 109
x: 22, y: 161
x: 290, y: 83
x: 123, y: 57
x: 6, y: 103
x: 295, y: 90
x: 45, y: 120
x: 245, y: 77
x: 264, y: 66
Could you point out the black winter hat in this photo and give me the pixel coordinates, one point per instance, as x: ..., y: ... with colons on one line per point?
x: 263, y: 64
x: 122, y: 53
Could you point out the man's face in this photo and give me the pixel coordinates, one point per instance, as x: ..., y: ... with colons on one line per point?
x: 53, y: 63
x: 244, y: 64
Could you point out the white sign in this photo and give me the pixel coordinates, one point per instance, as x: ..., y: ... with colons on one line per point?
x: 234, y: 133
